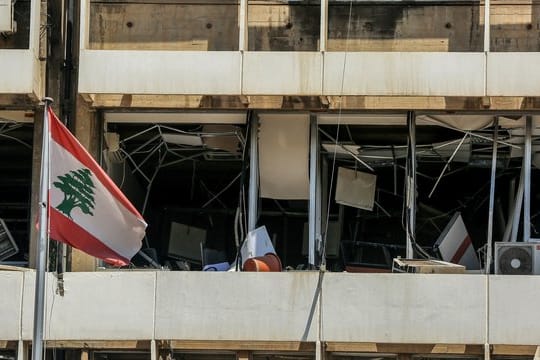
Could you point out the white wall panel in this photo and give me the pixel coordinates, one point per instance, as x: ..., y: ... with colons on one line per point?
x: 282, y: 73
x: 514, y: 315
x: 404, y: 308
x: 96, y: 305
x: 513, y: 74
x: 236, y: 306
x: 159, y: 72
x: 388, y: 308
x: 11, y: 283
x: 17, y: 72
x: 404, y: 73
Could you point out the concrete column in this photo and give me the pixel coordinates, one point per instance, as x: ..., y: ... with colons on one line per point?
x: 22, y: 350
x: 88, y: 132
x: 527, y: 156
x: 243, y: 25
x: 253, y: 196
x: 324, y: 26
x: 34, y: 196
x: 313, y: 193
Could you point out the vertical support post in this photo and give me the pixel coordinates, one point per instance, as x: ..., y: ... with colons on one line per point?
x: 41, y: 260
x: 323, y: 36
x: 84, y: 21
x: 34, y: 198
x: 88, y: 131
x: 324, y: 189
x: 487, y: 34
x: 243, y: 26
x: 527, y: 154
x: 22, y: 350
x: 35, y: 26
x: 492, y: 195
x: 511, y: 231
x: 318, y: 203
x: 154, y: 350
x: 313, y: 180
x: 487, y: 44
x: 253, y: 200
x: 411, y: 186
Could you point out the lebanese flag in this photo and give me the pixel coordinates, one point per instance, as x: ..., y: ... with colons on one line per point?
x: 86, y: 208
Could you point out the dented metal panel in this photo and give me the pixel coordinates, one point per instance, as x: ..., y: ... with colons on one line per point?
x: 404, y: 73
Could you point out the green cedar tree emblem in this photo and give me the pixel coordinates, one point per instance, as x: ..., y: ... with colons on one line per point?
x: 78, y: 190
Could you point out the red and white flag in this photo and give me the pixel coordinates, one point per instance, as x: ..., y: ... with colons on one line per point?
x: 86, y: 208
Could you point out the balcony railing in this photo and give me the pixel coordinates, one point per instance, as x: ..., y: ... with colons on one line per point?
x: 282, y: 307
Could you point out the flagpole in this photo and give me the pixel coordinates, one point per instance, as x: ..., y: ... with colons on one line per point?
x: 42, y: 245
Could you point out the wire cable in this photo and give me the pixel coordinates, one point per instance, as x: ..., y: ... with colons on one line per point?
x: 336, y: 143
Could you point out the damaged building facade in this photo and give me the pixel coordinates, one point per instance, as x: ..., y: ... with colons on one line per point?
x: 356, y: 132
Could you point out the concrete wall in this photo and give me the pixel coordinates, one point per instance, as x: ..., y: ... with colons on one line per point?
x: 411, y: 27
x: 361, y: 308
x: 515, y: 26
x: 279, y: 26
x: 169, y: 26
x: 283, y: 27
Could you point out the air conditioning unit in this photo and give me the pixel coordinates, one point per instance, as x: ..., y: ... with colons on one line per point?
x: 6, y: 16
x: 517, y: 258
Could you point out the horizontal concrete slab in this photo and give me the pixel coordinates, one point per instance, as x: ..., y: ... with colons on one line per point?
x: 281, y: 73
x: 97, y: 305
x: 404, y: 73
x: 237, y: 306
x: 404, y: 308
x: 159, y: 72
x: 198, y: 306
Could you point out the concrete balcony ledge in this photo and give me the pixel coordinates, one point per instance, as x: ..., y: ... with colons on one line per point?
x: 285, y: 308
x: 308, y: 73
x: 24, y: 76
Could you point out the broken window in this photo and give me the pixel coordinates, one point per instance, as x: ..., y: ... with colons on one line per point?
x: 191, y: 180
x: 15, y: 186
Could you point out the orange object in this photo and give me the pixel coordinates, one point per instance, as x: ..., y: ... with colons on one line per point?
x: 267, y: 263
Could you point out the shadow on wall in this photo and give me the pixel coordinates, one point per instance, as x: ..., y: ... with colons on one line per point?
x: 411, y: 27
x: 168, y: 26
x: 515, y: 27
